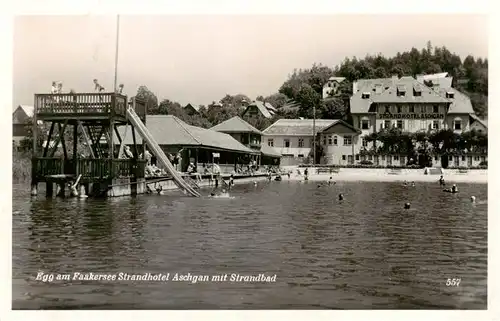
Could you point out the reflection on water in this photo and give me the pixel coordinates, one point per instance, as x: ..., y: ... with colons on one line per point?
x: 365, y: 252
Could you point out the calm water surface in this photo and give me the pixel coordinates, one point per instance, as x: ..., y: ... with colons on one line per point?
x: 365, y: 252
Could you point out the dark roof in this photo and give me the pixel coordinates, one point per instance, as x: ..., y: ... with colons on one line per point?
x: 195, y: 107
x: 260, y: 106
x: 170, y: 130
x: 297, y: 127
x: 235, y: 125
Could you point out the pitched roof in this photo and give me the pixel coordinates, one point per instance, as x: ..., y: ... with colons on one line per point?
x: 389, y: 94
x: 29, y: 110
x: 340, y: 122
x: 460, y: 103
x: 195, y: 107
x: 260, y: 106
x: 297, y: 127
x: 269, y: 151
x: 235, y: 125
x: 170, y: 130
x: 269, y: 106
x: 483, y: 122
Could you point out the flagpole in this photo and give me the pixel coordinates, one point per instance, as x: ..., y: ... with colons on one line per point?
x: 116, y: 52
x: 314, y: 135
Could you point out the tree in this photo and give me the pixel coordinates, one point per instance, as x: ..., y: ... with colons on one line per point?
x: 151, y: 100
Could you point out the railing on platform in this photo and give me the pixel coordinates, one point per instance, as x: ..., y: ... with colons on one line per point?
x: 100, y: 103
x: 89, y: 168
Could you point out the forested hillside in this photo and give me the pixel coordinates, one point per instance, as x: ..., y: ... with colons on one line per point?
x: 304, y: 86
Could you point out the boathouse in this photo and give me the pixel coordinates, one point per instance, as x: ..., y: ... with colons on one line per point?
x: 196, y: 145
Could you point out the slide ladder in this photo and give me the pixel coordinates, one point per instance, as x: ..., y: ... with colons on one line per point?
x: 158, y: 152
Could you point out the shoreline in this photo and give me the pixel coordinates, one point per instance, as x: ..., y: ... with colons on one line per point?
x: 386, y: 175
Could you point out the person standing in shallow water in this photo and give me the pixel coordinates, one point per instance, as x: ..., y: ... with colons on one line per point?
x: 306, y: 174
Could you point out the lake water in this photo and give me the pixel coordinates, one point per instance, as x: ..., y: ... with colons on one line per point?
x: 365, y: 252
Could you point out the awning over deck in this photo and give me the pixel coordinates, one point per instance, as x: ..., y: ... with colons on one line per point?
x: 269, y: 151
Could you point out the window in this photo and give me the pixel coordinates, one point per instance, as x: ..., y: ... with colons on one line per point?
x: 412, y: 109
x: 450, y: 158
x: 463, y: 158
x: 417, y: 93
x: 396, y: 158
x: 435, y: 158
x: 301, y: 142
x: 347, y: 140
x: 387, y: 124
x: 365, y: 124
x: 343, y: 157
x: 370, y: 157
x: 399, y: 109
x: 450, y: 95
x: 270, y: 142
x: 300, y: 155
x: 400, y: 124
x: 357, y: 157
x: 324, y: 140
x: 483, y: 158
x: 387, y: 109
x: 458, y: 124
x: 365, y: 95
x: 435, y: 124
x: 335, y: 140
x: 365, y: 142
x: 287, y: 143
x: 476, y: 158
x: 330, y: 140
x: 383, y: 157
x: 435, y: 109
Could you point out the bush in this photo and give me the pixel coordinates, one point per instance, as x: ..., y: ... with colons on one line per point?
x: 366, y: 162
x: 21, y: 167
x: 484, y: 163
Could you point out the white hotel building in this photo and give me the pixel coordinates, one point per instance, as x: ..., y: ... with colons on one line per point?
x: 406, y: 103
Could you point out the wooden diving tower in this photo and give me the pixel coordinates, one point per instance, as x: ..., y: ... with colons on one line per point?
x: 91, y: 118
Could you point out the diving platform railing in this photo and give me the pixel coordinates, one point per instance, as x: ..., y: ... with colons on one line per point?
x: 85, y: 105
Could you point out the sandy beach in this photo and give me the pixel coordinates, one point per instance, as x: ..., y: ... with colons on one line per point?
x: 385, y: 175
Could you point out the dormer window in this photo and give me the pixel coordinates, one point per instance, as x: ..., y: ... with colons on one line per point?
x: 365, y: 95
x: 401, y: 93
x: 417, y: 93
x: 450, y: 94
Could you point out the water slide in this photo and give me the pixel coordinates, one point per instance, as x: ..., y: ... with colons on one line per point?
x: 158, y: 152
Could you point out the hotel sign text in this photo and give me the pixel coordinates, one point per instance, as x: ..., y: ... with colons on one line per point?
x: 410, y: 116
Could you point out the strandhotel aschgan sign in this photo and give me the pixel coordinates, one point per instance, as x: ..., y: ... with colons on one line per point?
x: 410, y: 116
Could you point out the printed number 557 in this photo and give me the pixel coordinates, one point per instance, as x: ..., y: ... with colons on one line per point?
x: 453, y: 282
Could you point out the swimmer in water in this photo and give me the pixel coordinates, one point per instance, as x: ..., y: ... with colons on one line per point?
x: 341, y: 197
x: 412, y: 184
x: 441, y: 181
x: 405, y: 183
x: 330, y: 181
x: 473, y: 199
x: 454, y: 188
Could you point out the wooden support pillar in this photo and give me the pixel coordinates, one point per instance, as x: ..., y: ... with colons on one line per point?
x: 49, y: 189
x: 75, y: 149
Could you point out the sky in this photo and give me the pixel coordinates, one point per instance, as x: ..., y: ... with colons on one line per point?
x: 201, y: 58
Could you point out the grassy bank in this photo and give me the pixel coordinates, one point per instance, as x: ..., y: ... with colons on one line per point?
x: 21, y: 167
